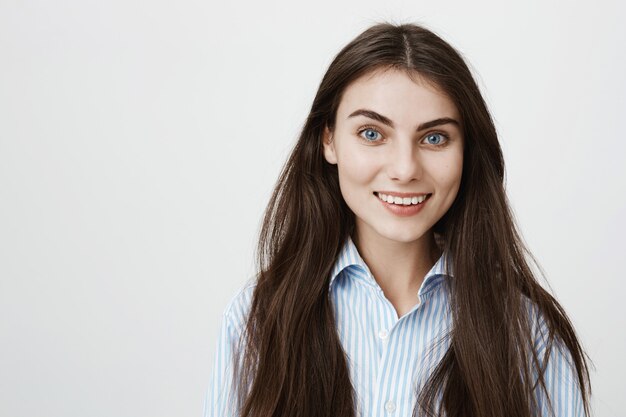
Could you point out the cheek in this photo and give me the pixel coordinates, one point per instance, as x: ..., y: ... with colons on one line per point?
x: 356, y: 167
x: 447, y: 171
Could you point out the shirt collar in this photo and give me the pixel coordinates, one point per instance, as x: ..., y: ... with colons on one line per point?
x: 350, y: 260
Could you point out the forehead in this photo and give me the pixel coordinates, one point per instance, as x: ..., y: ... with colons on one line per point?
x: 397, y: 95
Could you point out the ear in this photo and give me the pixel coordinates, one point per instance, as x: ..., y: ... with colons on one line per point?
x: 329, y: 146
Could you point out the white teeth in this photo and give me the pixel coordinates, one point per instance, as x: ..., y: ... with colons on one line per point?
x: 401, y: 201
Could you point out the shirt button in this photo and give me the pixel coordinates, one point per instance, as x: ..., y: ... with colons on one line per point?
x: 383, y: 334
x: 390, y: 406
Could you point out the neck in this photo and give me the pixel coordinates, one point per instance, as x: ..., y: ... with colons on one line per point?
x: 398, y: 267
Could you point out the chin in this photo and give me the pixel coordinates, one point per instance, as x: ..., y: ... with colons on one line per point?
x: 404, y: 235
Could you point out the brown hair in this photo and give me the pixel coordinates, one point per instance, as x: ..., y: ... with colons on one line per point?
x: 291, y: 361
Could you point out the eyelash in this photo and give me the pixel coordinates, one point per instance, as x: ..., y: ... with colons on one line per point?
x: 364, y: 128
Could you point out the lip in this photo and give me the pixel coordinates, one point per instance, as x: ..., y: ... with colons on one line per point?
x: 404, y: 211
x: 398, y: 194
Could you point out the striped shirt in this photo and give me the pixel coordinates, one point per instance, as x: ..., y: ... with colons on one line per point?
x: 389, y: 357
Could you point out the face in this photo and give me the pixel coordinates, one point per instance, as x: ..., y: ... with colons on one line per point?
x: 400, y: 135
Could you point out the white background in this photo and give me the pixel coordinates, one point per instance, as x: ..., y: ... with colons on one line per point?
x: 140, y: 141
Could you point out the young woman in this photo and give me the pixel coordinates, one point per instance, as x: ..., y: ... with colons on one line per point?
x: 393, y: 280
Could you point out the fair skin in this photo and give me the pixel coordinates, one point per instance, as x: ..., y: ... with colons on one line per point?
x: 372, y: 156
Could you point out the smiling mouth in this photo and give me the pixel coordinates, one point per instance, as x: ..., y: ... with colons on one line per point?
x: 402, y: 201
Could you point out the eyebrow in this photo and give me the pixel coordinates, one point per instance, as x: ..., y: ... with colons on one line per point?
x: 385, y: 120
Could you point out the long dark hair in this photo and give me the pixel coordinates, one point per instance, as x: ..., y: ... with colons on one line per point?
x: 291, y: 361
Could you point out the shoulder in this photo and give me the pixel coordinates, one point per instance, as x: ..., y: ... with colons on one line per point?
x: 236, y: 311
x: 535, y: 315
x: 548, y: 345
x: 220, y: 398
x: 538, y: 326
x: 541, y: 330
x: 560, y: 390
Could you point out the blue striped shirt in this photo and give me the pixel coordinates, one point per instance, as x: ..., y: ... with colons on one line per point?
x: 389, y: 357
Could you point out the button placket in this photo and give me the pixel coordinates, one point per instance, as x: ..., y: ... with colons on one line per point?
x: 383, y: 334
x: 387, y: 323
x: 390, y: 407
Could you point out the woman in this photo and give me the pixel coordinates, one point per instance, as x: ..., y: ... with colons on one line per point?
x: 393, y: 280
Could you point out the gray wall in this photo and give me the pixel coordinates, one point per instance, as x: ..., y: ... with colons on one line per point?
x: 139, y: 142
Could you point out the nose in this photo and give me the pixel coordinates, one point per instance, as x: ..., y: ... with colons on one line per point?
x: 404, y: 163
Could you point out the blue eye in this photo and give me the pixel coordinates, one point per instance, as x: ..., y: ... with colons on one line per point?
x: 370, y: 134
x: 431, y: 135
